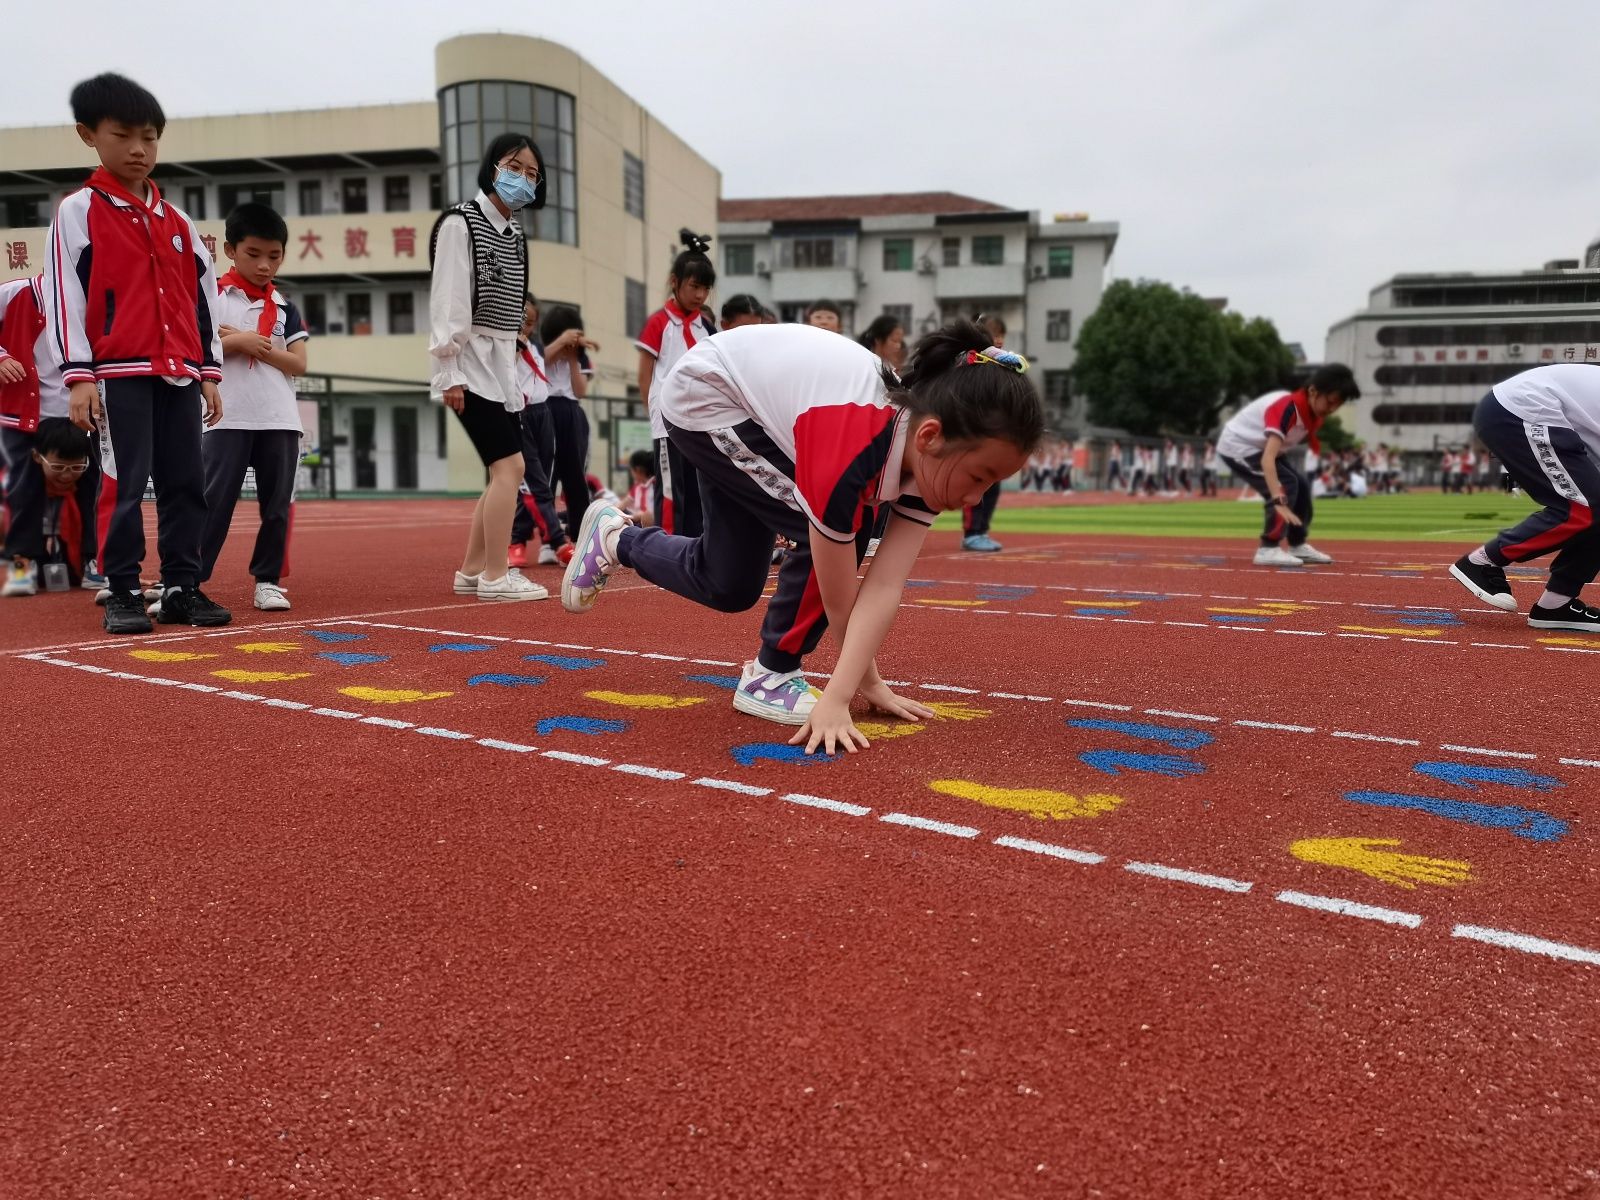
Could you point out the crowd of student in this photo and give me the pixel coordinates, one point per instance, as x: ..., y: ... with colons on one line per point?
x: 785, y: 443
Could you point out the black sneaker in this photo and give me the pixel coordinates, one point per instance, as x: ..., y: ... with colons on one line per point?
x: 1488, y: 584
x: 190, y: 606
x: 125, y: 613
x: 1574, y: 615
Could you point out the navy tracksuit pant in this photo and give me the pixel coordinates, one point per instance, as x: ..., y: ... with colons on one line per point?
x: 537, y: 507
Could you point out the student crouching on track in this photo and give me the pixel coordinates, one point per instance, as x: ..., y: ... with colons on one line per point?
x: 796, y: 431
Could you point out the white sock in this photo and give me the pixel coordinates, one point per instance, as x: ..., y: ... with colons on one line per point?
x: 1482, y: 559
x: 1553, y: 600
x: 609, y: 540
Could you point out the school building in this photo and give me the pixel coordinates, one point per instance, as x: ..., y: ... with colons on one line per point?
x: 926, y: 258
x: 1428, y: 346
x: 361, y: 187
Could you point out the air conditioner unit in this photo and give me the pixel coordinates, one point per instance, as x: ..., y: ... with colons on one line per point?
x: 1038, y: 273
x: 925, y: 265
x: 764, y: 271
x: 1514, y: 349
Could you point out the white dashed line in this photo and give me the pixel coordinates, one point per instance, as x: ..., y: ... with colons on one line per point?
x: 944, y: 827
x: 1050, y: 850
x: 275, y: 702
x: 1099, y: 704
x: 582, y: 760
x: 1301, y: 632
x: 648, y: 772
x: 1581, y: 762
x: 949, y: 687
x: 1373, y: 737
x: 1017, y: 696
x: 451, y: 735
x: 1177, y: 875
x: 838, y: 806
x: 388, y: 723
x: 514, y: 747
x: 1181, y: 716
x: 229, y: 695
x: 1490, y: 753
x: 1525, y: 943
x: 728, y: 785
x: 1349, y: 908
x: 196, y: 687
x: 340, y: 713
x: 1275, y: 725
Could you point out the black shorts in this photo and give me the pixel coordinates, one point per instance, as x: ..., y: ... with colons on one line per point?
x: 496, y: 432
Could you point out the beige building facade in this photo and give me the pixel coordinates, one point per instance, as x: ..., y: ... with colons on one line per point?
x: 360, y: 189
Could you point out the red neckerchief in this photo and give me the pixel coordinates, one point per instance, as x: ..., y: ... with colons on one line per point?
x: 687, y: 318
x: 533, y: 365
x: 1302, y: 405
x: 268, y: 320
x: 102, y: 181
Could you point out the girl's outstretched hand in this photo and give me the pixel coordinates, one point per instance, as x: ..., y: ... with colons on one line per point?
x: 830, y: 726
x: 884, y: 700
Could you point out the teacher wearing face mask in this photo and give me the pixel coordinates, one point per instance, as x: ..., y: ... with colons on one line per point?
x: 479, y: 256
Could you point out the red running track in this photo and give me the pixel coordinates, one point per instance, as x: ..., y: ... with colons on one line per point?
x: 249, y: 946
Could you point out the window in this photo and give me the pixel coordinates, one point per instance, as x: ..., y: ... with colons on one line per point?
x: 897, y: 254
x: 194, y: 201
x: 988, y: 250
x: 632, y: 185
x: 354, y: 194
x: 952, y: 252
x: 1060, y: 262
x: 1472, y: 374
x: 231, y: 195
x: 311, y: 197
x: 435, y: 190
x: 402, y: 314
x: 633, y: 304
x: 358, y: 313
x: 1058, y: 325
x: 900, y: 313
x: 314, y: 311
x: 471, y: 114
x: 1058, y: 388
x: 397, y: 193
x: 23, y: 212
x: 442, y: 434
x: 739, y: 258
x: 1423, y: 414
x: 813, y: 253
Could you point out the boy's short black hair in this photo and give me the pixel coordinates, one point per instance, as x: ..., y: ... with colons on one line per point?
x: 59, y: 436
x: 1335, y: 378
x: 824, y: 306
x: 557, y: 320
x: 112, y: 97
x: 643, y: 460
x: 509, y: 143
x: 255, y: 220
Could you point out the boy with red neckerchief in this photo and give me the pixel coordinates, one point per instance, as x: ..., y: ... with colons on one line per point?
x: 263, y: 349
x: 130, y: 300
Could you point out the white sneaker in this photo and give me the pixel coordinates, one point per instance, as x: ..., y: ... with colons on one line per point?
x: 22, y: 578
x: 547, y: 556
x: 1273, y: 556
x: 467, y: 585
x: 512, y: 586
x: 271, y: 598
x: 781, y: 696
x: 1309, y: 554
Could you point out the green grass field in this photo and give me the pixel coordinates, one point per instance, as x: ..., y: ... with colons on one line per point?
x: 1418, y: 517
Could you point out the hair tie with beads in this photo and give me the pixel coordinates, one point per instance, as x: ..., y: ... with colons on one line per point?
x: 997, y: 356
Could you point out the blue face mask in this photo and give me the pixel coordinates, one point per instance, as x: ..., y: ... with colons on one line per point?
x: 514, y: 189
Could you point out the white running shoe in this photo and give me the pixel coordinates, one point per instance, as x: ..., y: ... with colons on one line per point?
x: 22, y: 578
x: 547, y: 556
x: 271, y: 598
x: 594, y: 557
x: 781, y: 696
x: 1274, y: 556
x: 512, y: 586
x: 467, y: 585
x: 1308, y: 553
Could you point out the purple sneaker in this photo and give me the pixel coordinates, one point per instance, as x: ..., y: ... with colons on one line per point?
x: 591, y: 564
x: 781, y: 696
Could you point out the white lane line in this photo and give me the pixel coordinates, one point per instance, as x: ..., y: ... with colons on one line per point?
x: 648, y: 772
x: 663, y: 657
x: 342, y: 714
x: 1017, y: 696
x: 388, y: 723
x: 1429, y: 642
x: 1571, y: 650
x: 944, y: 827
x: 1527, y: 944
x: 1373, y: 637
x: 1581, y: 762
x: 451, y: 735
x: 1181, y: 716
x: 1275, y: 725
x: 949, y: 687
x: 1099, y: 704
x: 1490, y: 753
x: 1498, y: 645
x: 1050, y: 850
x: 514, y: 747
x: 275, y: 702
x: 1245, y: 628
x: 728, y: 785
x: 1373, y: 737
x: 582, y: 760
x: 1177, y: 875
x: 1349, y: 908
x: 229, y: 695
x: 1188, y: 624
x: 1301, y: 632
x: 838, y: 806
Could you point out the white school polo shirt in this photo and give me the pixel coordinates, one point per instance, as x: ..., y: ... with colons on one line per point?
x: 1566, y: 395
x: 256, y: 395
x: 667, y: 336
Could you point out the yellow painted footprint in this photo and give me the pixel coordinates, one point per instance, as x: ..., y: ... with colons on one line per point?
x: 1039, y: 803
x: 884, y: 731
x: 166, y: 655
x: 387, y: 695
x: 955, y: 710
x: 266, y: 647
x: 233, y: 675
x: 645, y: 699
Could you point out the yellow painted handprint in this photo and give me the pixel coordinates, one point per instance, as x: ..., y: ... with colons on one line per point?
x: 1386, y: 866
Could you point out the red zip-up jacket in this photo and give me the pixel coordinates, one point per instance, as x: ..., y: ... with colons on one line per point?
x: 130, y: 288
x: 21, y: 323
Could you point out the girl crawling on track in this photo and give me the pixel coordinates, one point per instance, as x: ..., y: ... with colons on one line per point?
x: 794, y: 431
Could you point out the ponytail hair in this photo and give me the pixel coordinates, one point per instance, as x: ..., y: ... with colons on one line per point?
x: 972, y: 398
x: 692, y: 265
x: 881, y: 330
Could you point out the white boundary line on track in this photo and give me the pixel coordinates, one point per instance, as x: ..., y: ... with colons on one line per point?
x: 1500, y: 938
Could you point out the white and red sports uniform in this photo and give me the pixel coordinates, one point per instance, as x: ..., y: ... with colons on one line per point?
x: 668, y: 335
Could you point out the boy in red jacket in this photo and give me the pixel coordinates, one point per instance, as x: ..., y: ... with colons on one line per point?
x: 130, y: 298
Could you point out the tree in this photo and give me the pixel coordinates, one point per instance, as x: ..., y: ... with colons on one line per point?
x: 1260, y: 360
x: 1335, y: 438
x: 1154, y: 360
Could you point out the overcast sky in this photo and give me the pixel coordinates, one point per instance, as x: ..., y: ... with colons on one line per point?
x: 1286, y: 156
